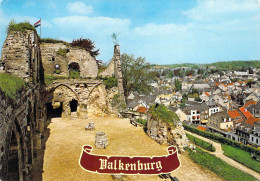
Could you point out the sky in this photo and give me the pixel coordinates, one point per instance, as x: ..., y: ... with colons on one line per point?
x: 162, y: 31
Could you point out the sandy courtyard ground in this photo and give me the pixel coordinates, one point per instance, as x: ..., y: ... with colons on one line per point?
x: 67, y: 136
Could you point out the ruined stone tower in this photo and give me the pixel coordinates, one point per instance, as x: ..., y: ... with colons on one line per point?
x: 118, y: 72
x: 114, y: 69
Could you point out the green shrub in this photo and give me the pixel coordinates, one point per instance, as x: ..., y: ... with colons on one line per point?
x: 62, y: 52
x: 241, y: 156
x: 11, y: 85
x: 163, y: 113
x: 22, y: 27
x: 222, y: 139
x: 110, y: 82
x: 201, y: 143
x: 141, y: 121
x: 220, y: 167
x: 57, y: 71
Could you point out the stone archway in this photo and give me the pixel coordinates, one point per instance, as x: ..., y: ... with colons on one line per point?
x: 66, y: 99
x: 15, y: 155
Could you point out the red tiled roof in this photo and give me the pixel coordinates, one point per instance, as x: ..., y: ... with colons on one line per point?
x: 250, y: 103
x: 142, y: 110
x: 233, y: 114
x: 245, y: 112
x: 252, y: 120
x: 201, y: 128
x: 230, y: 83
x: 207, y: 94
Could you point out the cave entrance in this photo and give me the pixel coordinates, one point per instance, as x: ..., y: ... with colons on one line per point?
x: 54, y: 111
x: 14, y: 171
x: 73, y: 105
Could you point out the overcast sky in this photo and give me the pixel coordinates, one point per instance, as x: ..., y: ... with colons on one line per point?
x: 163, y: 31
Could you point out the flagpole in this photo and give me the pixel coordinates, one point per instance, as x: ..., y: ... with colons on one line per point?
x: 41, y: 28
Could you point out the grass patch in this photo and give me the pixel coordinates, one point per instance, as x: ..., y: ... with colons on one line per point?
x: 50, y: 78
x: 11, y: 85
x: 221, y: 139
x: 52, y: 40
x: 201, y: 143
x: 163, y: 113
x: 241, y: 156
x: 62, y: 52
x: 218, y: 166
x: 74, y: 74
x: 22, y: 27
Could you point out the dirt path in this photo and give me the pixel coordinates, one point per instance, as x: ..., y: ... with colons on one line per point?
x: 63, y: 148
x: 220, y: 153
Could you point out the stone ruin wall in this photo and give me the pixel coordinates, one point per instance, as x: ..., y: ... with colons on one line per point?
x: 50, y: 58
x: 23, y: 119
x: 163, y: 133
x: 21, y: 55
x: 91, y: 95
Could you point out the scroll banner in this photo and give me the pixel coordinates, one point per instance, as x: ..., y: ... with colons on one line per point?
x: 129, y: 165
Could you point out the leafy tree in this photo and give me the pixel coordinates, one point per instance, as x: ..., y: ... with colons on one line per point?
x: 194, y: 91
x: 200, y: 71
x: 243, y: 69
x: 184, y: 98
x: 250, y: 82
x: 198, y: 99
x: 178, y: 85
x: 177, y: 72
x: 182, y: 105
x: 87, y: 44
x: 136, y: 74
x: 189, y: 72
x: 250, y: 70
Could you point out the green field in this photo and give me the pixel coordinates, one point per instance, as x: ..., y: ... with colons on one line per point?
x: 241, y: 156
x: 201, y: 143
x: 221, y: 168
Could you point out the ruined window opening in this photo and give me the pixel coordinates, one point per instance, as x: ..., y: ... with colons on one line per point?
x: 73, y: 105
x: 74, y: 70
x: 53, y: 59
x: 2, y: 66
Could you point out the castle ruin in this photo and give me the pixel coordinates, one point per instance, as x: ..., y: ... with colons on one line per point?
x: 23, y: 119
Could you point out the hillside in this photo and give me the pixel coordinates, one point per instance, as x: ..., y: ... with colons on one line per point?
x: 232, y: 65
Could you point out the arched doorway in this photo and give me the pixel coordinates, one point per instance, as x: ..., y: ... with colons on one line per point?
x: 15, y: 156
x: 73, y: 105
x: 74, y: 70
x: 54, y: 111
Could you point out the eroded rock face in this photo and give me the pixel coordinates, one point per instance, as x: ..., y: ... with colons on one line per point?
x: 163, y: 133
